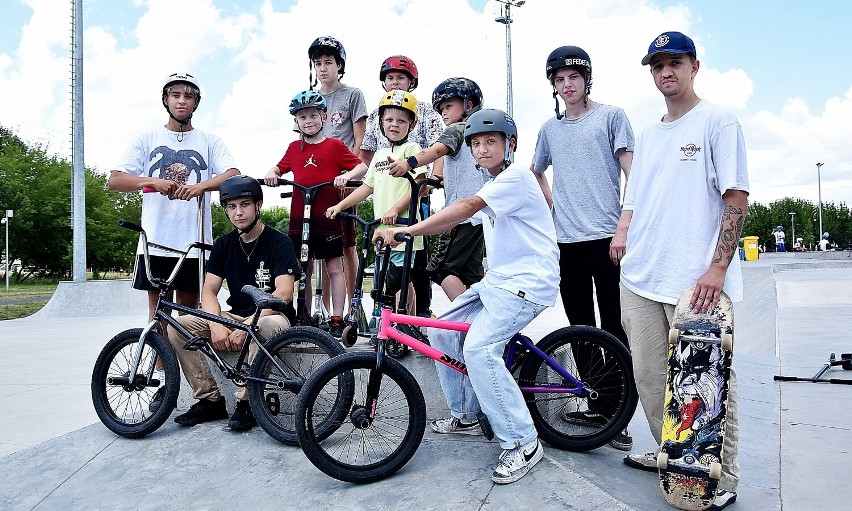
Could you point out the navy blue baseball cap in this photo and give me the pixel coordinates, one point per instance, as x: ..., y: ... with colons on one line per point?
x: 670, y: 42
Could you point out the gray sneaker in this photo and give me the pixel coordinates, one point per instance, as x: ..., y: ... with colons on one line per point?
x: 514, y: 464
x: 456, y: 426
x: 646, y: 462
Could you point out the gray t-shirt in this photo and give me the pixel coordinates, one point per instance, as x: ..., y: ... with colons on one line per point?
x: 586, y: 171
x: 461, y: 176
x: 346, y: 105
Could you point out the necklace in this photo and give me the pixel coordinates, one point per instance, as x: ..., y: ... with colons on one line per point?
x: 250, y: 252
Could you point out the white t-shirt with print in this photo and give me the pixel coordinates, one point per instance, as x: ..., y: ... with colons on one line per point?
x: 197, y: 157
x: 520, y: 238
x: 680, y: 171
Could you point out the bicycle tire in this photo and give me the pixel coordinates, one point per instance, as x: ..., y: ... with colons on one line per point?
x: 377, y: 450
x: 606, y: 367
x: 299, y: 351
x: 125, y: 410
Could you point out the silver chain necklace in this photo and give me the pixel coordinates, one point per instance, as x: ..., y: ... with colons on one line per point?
x: 248, y: 254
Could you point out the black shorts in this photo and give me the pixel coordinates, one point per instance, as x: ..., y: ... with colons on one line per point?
x: 320, y: 246
x: 459, y: 252
x: 161, y: 267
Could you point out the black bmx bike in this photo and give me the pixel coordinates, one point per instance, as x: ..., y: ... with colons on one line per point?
x: 125, y: 379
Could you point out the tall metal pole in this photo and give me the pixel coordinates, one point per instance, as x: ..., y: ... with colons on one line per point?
x: 7, y: 216
x: 819, y: 197
x: 793, y: 222
x: 78, y: 173
x: 506, y: 19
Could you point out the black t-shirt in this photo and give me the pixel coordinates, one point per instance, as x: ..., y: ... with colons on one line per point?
x: 257, y: 264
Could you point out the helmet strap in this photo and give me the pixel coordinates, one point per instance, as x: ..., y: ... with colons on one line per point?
x: 556, y: 99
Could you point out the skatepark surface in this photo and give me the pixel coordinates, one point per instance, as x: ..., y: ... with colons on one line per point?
x: 55, y: 454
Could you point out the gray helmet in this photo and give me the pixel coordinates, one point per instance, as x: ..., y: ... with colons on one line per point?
x: 493, y: 120
x: 240, y: 186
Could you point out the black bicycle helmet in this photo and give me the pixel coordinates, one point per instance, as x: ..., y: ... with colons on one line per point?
x: 240, y: 186
x: 574, y: 57
x: 329, y: 45
x: 463, y: 88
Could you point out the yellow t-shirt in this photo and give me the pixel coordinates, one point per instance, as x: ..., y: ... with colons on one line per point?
x: 388, y: 190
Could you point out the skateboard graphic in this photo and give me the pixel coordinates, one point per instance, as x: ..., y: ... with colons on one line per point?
x: 699, y: 367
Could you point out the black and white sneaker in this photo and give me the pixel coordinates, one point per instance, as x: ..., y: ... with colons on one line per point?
x: 514, y: 464
x: 204, y: 410
x: 646, y: 462
x: 456, y: 426
x: 724, y: 499
x: 585, y: 418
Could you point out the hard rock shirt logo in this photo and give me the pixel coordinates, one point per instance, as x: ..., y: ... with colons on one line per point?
x: 690, y: 150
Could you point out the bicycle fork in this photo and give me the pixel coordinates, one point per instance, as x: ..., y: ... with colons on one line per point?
x: 130, y: 379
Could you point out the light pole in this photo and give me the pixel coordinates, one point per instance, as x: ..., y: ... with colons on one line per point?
x: 7, y: 218
x: 793, y: 222
x: 506, y: 19
x: 819, y: 197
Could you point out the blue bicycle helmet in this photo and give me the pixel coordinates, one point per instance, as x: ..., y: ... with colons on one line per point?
x: 463, y: 88
x: 308, y: 99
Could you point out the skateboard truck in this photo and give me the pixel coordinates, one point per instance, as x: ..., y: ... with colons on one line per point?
x: 845, y: 361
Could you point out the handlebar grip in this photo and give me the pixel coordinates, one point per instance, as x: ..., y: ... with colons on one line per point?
x: 286, y: 195
x: 148, y: 189
x: 402, y: 236
x: 130, y: 225
x: 353, y: 184
x: 345, y: 214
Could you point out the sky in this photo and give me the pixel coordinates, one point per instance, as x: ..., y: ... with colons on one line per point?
x: 780, y: 66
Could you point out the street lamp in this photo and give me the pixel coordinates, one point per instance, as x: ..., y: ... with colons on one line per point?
x: 7, y: 218
x: 819, y: 197
x: 506, y: 19
x: 793, y: 222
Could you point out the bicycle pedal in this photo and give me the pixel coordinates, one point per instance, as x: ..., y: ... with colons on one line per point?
x: 196, y: 343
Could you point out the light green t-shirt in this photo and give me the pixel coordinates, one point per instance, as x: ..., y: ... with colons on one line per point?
x: 387, y: 190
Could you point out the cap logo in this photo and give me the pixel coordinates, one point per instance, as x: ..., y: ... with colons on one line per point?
x: 661, y: 41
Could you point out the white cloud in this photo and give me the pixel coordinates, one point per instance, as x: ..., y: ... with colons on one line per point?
x: 252, y: 63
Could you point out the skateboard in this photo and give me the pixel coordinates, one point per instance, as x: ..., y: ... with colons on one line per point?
x: 699, y: 367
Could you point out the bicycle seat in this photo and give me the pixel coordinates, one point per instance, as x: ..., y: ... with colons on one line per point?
x: 264, y: 300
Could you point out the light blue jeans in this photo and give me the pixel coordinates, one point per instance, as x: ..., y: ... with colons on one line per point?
x: 495, y: 316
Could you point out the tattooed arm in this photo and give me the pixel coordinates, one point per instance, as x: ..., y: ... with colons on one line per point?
x: 709, y: 286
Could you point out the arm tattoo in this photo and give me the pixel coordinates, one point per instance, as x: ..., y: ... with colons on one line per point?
x: 729, y: 233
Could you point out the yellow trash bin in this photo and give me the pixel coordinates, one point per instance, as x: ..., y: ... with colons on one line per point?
x: 751, y: 251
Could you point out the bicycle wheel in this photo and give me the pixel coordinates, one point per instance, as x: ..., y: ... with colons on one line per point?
x: 601, y: 362
x: 360, y: 449
x: 296, y: 353
x: 122, y: 402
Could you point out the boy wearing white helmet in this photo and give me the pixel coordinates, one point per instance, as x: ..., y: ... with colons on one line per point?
x: 181, y: 163
x: 520, y: 284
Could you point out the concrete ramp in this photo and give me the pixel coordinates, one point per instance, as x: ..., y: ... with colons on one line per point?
x: 95, y: 298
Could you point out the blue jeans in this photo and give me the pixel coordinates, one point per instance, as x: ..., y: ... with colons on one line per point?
x: 495, y: 316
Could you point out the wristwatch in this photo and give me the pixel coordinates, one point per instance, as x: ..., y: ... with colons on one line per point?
x: 412, y: 161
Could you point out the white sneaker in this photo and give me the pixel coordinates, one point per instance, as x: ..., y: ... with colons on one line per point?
x: 515, y: 463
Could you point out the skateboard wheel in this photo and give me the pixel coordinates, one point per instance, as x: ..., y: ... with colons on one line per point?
x: 715, y: 470
x: 662, y: 460
x: 349, y: 336
x: 674, y: 334
x: 727, y: 342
